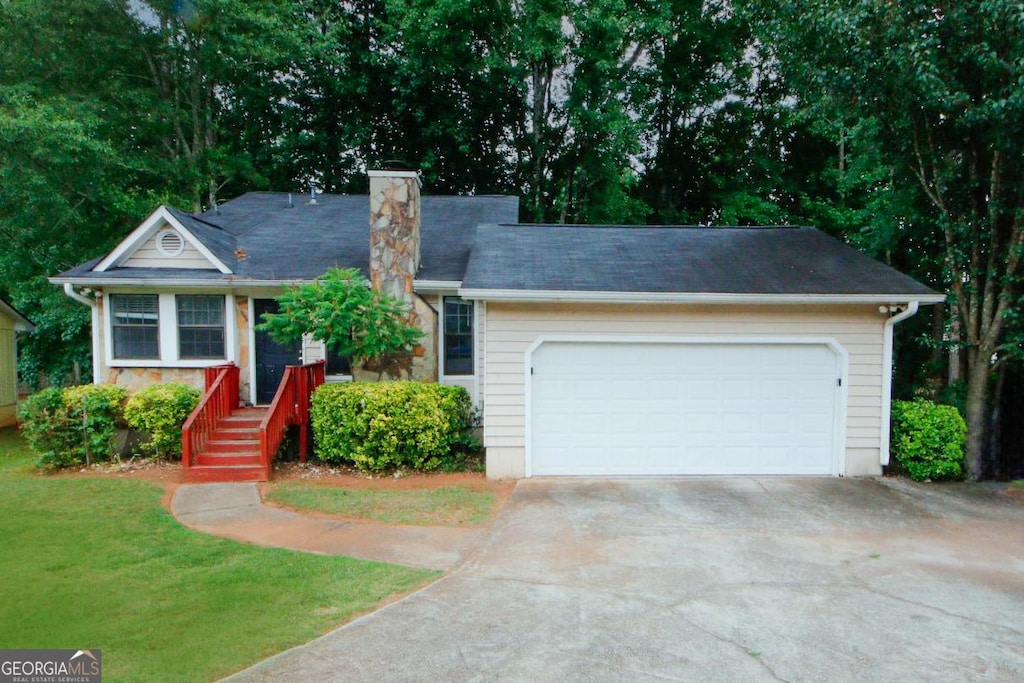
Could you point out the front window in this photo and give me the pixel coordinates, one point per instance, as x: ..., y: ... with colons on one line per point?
x: 458, y: 336
x: 200, y: 326
x: 135, y: 322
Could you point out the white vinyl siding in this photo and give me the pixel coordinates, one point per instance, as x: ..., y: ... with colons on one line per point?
x: 148, y: 256
x: 510, y: 328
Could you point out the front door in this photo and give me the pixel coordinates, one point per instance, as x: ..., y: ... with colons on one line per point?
x: 271, y: 357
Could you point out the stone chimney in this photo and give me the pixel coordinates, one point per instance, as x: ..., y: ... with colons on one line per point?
x: 394, y: 260
x: 394, y: 232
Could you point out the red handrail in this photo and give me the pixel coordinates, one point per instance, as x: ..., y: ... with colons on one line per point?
x: 220, y: 398
x: 290, y: 407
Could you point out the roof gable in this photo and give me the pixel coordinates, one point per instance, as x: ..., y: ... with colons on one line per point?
x: 196, y: 234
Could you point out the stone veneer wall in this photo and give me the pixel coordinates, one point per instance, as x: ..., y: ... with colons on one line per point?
x: 242, y: 325
x: 134, y: 379
x: 394, y: 260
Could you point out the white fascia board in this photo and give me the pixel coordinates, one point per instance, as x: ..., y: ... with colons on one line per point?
x: 134, y: 240
x: 436, y: 285
x: 691, y: 297
x: 393, y: 174
x: 167, y: 282
x: 149, y: 227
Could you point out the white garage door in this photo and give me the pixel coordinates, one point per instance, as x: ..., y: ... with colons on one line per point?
x: 635, y: 408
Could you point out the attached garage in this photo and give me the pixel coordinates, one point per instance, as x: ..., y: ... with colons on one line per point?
x: 649, y: 351
x: 726, y: 407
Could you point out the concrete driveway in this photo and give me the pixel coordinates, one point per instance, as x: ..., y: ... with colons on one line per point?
x: 708, y: 580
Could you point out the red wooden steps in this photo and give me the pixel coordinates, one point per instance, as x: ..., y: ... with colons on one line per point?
x: 233, y: 451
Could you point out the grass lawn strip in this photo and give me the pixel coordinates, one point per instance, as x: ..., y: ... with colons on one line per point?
x: 98, y: 563
x: 444, y: 506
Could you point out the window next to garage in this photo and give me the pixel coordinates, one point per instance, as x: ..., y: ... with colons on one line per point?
x: 135, y: 325
x: 458, y: 336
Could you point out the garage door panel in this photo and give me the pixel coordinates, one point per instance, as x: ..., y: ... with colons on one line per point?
x: 606, y: 408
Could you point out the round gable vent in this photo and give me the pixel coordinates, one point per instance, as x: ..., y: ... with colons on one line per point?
x: 170, y: 243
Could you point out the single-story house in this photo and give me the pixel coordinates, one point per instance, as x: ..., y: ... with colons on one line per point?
x: 591, y: 350
x: 11, y: 322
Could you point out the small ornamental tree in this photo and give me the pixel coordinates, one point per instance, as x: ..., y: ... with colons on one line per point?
x: 340, y: 309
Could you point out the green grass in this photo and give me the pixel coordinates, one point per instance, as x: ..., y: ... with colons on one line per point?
x: 98, y: 563
x: 446, y: 506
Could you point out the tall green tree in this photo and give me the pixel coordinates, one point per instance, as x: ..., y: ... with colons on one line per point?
x: 110, y: 108
x: 935, y: 91
x: 579, y: 142
x: 710, y: 143
x: 455, y: 101
x: 217, y: 72
x: 336, y: 100
x: 69, y: 169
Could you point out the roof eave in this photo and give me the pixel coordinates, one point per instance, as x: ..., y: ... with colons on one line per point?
x: 172, y: 282
x: 99, y: 281
x: 692, y: 297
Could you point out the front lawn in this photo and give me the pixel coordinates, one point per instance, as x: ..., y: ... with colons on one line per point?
x: 99, y: 563
x: 443, y: 506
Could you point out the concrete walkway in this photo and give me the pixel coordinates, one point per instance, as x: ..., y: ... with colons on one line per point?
x: 237, y: 511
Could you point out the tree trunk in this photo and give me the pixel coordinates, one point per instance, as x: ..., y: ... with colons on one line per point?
x: 976, y: 406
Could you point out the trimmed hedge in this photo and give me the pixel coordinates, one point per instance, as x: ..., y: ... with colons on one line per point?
x: 389, y: 425
x: 73, y: 426
x: 160, y: 411
x: 928, y: 440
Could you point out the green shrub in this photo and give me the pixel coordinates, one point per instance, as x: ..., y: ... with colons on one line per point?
x: 928, y: 440
x: 389, y: 425
x: 47, y: 426
x: 100, y: 410
x: 160, y: 411
x: 73, y: 426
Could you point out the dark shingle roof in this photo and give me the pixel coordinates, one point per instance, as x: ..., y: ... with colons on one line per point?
x: 259, y: 236
x: 676, y: 260
x: 218, y: 240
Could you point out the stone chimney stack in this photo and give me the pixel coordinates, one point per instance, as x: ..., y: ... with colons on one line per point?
x: 394, y: 232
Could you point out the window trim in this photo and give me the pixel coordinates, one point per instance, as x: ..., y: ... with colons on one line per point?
x: 168, y: 332
x: 114, y: 326
x: 472, y: 337
x: 222, y: 327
